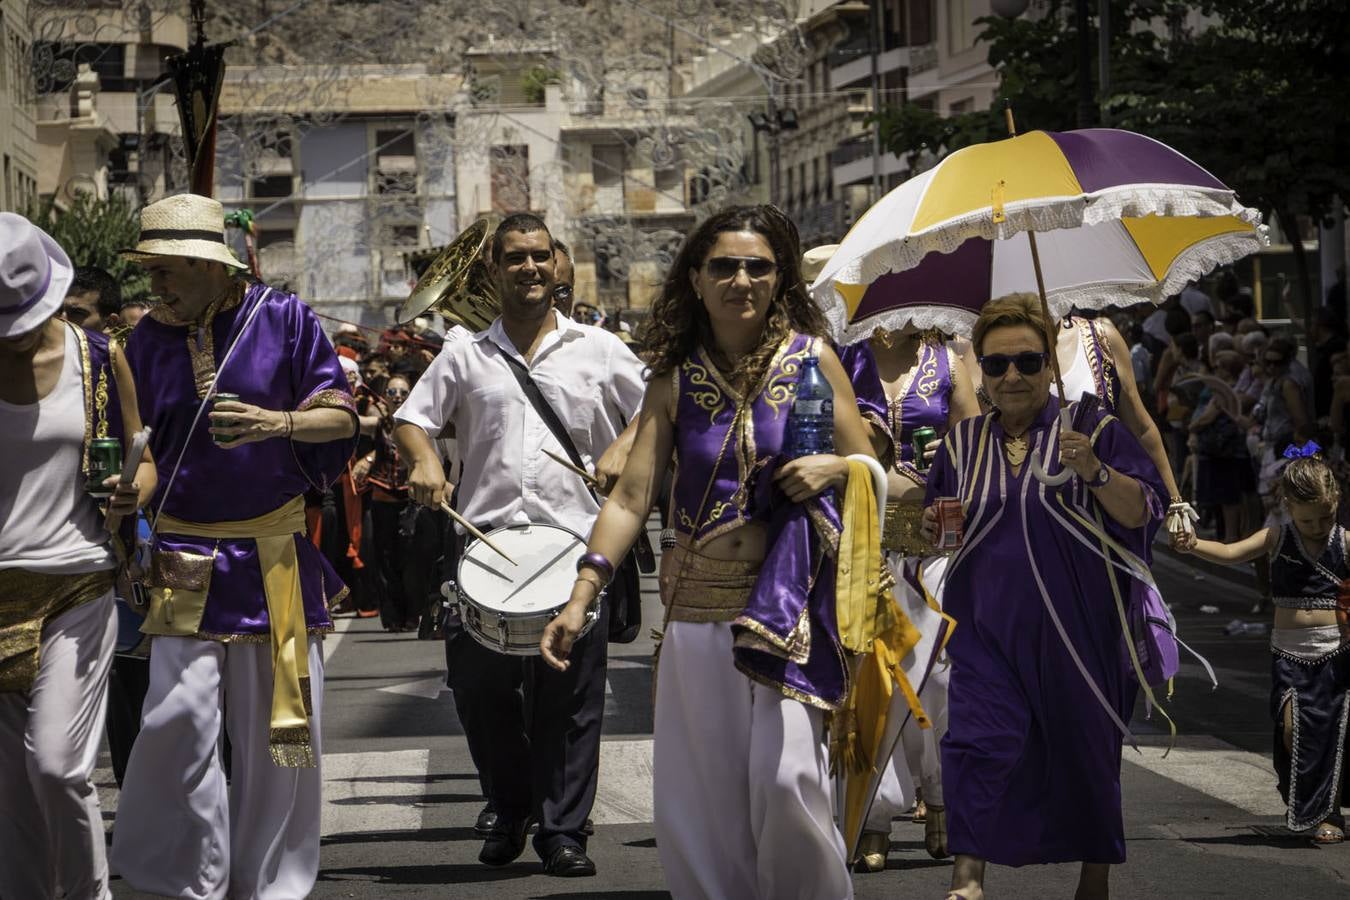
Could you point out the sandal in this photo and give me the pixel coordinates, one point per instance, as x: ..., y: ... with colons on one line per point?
x: 1328, y: 833
x: 935, y: 832
x: 873, y: 848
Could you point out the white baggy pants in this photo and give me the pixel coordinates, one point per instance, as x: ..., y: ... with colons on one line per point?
x: 743, y: 800
x: 51, y: 829
x: 917, y: 759
x: 180, y: 831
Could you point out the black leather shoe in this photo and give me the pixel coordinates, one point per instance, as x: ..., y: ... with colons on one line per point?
x: 505, y: 844
x: 588, y: 829
x: 569, y: 862
x: 487, y: 820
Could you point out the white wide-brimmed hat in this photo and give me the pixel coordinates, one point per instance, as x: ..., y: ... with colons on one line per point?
x: 183, y: 225
x: 814, y: 260
x: 35, y: 274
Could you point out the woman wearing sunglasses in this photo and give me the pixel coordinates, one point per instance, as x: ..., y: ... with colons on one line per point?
x: 742, y: 788
x: 1039, y: 693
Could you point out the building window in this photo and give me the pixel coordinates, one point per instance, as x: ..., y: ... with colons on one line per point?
x: 607, y: 161
x: 960, y: 26
x: 510, y: 178
x: 395, y: 169
x: 961, y: 106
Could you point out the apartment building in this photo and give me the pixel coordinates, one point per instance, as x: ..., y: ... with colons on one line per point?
x: 591, y: 157
x: 18, y: 118
x: 105, y: 114
x: 346, y: 169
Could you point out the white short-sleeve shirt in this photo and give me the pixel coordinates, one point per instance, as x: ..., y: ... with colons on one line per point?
x: 591, y: 379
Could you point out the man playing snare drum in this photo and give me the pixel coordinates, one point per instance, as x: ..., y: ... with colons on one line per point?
x: 544, y: 770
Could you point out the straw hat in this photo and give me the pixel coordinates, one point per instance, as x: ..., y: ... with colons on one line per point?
x: 183, y: 225
x: 35, y: 274
x: 814, y: 260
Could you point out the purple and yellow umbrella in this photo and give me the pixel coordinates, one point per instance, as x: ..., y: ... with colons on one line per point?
x: 1119, y: 219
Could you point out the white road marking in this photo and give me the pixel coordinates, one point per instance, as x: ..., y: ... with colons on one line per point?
x: 623, y: 794
x: 384, y: 787
x: 426, y: 688
x: 1217, y: 768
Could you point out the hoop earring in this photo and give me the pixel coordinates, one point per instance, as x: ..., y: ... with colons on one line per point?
x: 883, y: 337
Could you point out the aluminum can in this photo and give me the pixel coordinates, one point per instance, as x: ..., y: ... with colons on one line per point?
x: 105, y: 459
x: 951, y: 523
x: 217, y: 399
x: 921, y: 438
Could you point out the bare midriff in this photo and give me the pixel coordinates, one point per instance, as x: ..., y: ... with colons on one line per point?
x: 1304, y: 618
x: 748, y: 543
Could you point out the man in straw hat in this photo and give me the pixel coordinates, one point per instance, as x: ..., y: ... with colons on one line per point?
x: 61, y: 388
x: 237, y: 596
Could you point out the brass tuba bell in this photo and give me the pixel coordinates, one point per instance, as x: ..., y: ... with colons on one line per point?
x: 457, y: 284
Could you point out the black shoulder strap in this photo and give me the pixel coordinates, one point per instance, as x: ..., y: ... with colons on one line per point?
x: 541, y: 406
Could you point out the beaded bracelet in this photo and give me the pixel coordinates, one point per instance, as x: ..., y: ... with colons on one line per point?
x: 598, y: 562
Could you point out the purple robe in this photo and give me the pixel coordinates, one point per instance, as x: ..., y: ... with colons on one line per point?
x: 787, y: 635
x: 1031, y: 759
x: 284, y: 361
x: 860, y: 364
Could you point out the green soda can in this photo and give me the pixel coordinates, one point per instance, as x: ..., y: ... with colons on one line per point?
x: 224, y: 439
x: 922, y: 437
x: 105, y: 459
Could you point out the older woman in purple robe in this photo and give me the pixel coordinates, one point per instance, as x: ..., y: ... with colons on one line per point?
x: 1040, y: 685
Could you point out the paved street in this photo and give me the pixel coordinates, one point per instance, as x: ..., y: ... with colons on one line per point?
x: 401, y: 795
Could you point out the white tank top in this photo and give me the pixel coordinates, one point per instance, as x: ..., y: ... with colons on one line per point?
x: 47, y: 522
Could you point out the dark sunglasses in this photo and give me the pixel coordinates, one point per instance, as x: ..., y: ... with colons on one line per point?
x: 724, y: 268
x: 563, y: 292
x: 395, y: 392
x: 1027, y: 363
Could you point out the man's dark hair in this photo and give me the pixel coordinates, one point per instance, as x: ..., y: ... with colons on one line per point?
x: 1188, y: 345
x: 523, y: 222
x: 1177, y: 322
x: 92, y: 278
x: 142, y: 302
x: 560, y: 247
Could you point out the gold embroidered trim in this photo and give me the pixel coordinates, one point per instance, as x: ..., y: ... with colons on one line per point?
x: 291, y: 747
x: 201, y: 346
x: 795, y: 648
x: 329, y: 398
x: 254, y: 638
x: 87, y: 384
x: 790, y: 692
x: 902, y: 534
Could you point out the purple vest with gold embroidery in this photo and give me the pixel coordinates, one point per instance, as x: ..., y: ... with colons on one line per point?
x: 728, y: 446
x: 925, y: 401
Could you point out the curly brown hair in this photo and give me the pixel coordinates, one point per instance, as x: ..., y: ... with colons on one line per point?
x: 679, y: 324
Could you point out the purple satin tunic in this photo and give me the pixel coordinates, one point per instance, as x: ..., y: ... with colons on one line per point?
x: 1031, y: 759
x: 284, y: 361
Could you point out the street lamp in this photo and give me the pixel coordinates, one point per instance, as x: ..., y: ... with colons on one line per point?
x: 773, y: 122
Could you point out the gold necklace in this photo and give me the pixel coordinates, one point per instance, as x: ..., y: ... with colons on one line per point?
x: 1015, y: 450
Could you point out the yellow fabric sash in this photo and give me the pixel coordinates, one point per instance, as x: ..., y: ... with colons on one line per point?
x: 863, y: 605
x: 274, y: 533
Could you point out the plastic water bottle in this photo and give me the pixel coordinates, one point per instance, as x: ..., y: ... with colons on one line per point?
x: 810, y: 426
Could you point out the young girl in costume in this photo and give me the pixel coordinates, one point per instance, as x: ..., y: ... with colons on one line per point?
x: 1310, y: 695
x: 753, y: 656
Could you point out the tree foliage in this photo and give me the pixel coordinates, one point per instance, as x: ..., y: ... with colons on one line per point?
x: 93, y: 232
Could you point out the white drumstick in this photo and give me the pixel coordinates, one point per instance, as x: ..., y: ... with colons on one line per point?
x: 475, y: 532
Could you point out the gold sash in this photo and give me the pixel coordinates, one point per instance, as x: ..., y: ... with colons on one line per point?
x: 274, y: 533
x: 28, y: 601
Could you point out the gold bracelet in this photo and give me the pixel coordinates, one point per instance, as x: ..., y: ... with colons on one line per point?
x: 593, y: 582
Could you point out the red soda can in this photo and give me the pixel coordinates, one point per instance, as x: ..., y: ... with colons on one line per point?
x: 951, y: 522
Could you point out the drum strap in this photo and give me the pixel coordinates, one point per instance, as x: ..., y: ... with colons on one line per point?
x: 643, y: 548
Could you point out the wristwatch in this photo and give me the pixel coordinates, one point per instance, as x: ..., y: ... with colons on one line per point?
x: 1101, y: 478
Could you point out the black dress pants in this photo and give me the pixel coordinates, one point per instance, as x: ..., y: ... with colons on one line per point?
x: 534, y: 732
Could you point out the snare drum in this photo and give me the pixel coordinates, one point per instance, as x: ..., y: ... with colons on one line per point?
x: 506, y: 607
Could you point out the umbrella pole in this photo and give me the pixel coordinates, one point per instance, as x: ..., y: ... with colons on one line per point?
x: 1050, y: 336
